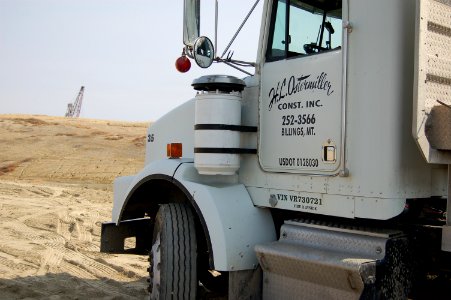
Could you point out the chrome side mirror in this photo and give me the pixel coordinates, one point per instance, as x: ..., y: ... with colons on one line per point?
x: 191, y: 22
x: 204, y: 52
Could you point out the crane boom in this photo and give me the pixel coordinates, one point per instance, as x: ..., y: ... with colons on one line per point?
x: 73, y: 109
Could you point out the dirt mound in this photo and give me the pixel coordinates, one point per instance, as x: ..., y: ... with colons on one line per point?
x: 55, y: 191
x: 62, y: 149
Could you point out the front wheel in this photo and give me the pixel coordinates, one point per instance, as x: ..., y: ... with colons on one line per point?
x: 173, y: 257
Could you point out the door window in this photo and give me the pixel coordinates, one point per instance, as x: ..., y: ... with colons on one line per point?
x: 304, y: 28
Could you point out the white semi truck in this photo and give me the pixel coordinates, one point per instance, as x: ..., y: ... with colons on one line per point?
x: 323, y: 174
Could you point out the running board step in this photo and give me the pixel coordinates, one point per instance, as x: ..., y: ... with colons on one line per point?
x: 315, y: 261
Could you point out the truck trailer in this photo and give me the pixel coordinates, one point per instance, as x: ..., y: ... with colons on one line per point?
x: 323, y: 173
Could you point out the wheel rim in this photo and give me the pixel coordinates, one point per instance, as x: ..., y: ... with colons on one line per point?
x: 156, y: 267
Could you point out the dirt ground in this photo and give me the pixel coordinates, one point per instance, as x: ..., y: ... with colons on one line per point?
x: 55, y: 190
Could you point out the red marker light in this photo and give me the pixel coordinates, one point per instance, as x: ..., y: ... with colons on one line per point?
x: 183, y: 64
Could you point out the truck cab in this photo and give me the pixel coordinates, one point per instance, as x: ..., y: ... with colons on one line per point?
x: 321, y: 174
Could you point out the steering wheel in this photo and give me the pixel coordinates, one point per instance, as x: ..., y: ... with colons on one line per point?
x: 313, y: 48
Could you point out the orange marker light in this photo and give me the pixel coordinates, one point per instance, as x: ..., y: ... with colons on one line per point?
x: 174, y: 150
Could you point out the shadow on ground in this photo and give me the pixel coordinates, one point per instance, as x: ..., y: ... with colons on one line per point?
x: 65, y: 286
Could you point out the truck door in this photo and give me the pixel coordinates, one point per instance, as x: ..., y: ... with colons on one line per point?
x: 301, y: 95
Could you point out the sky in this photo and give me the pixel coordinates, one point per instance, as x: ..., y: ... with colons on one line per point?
x: 122, y: 51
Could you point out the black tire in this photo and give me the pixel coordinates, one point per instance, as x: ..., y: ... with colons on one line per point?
x: 173, y: 258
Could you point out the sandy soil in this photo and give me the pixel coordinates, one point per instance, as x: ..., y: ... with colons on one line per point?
x: 55, y: 190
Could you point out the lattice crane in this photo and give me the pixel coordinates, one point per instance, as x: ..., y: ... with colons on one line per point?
x: 73, y: 109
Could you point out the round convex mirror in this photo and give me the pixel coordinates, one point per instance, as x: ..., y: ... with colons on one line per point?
x: 203, y: 52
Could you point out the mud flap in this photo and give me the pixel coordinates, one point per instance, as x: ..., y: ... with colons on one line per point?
x: 113, y: 236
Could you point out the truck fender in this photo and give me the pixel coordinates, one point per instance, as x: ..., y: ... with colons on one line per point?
x: 234, y: 225
x: 231, y: 223
x: 125, y: 186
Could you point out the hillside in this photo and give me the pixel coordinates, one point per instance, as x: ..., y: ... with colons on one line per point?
x: 62, y: 149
